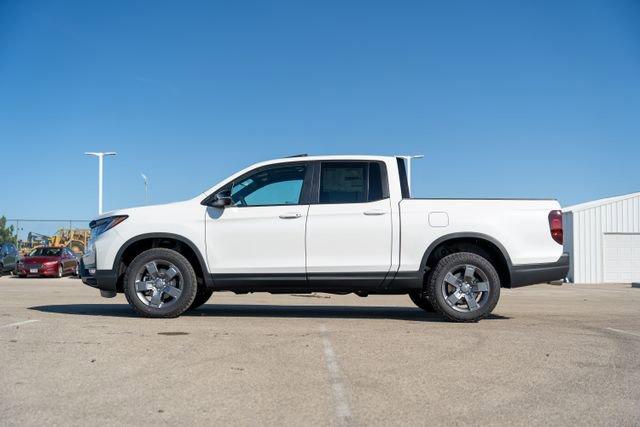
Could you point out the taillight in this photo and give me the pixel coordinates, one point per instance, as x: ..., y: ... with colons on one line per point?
x: 555, y: 225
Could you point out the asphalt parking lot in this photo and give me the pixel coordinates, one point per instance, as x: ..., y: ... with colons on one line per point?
x: 550, y: 355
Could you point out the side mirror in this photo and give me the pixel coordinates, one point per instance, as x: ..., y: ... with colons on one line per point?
x: 222, y: 199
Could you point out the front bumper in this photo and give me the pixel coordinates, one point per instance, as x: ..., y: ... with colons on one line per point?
x: 44, y: 270
x: 530, y: 274
x: 105, y: 280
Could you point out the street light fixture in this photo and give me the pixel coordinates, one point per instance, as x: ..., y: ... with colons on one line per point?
x: 100, y: 156
x: 408, y: 160
x: 146, y: 188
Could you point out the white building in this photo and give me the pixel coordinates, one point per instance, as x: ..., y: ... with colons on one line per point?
x: 603, y: 240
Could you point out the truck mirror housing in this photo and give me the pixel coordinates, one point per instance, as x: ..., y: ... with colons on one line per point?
x: 222, y: 199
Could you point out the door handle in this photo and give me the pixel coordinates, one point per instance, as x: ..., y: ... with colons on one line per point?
x: 375, y: 212
x: 290, y: 215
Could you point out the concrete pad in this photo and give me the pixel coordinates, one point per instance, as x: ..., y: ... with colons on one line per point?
x: 548, y: 355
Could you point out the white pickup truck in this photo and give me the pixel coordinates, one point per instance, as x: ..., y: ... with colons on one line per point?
x: 338, y: 224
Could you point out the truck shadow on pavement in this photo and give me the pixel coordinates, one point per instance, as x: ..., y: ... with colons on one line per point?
x: 262, y: 311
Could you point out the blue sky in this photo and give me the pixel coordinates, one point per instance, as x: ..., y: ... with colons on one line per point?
x: 504, y: 98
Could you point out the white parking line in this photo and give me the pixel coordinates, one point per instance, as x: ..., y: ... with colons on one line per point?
x: 19, y: 323
x: 341, y: 400
x: 623, y: 332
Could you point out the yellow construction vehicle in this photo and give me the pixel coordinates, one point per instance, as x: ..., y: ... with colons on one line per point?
x: 74, y: 239
x: 34, y: 240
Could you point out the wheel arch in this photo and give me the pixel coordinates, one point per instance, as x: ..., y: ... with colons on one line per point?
x: 459, y: 242
x: 142, y: 242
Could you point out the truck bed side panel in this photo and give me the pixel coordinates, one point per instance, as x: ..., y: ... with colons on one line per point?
x: 520, y: 226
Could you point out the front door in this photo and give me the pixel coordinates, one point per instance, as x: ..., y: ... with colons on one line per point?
x: 260, y: 239
x: 349, y: 228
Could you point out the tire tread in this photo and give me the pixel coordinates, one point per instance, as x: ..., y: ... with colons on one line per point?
x: 446, y: 263
x: 162, y: 253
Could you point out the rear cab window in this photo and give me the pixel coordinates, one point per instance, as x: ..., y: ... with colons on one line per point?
x: 352, y: 182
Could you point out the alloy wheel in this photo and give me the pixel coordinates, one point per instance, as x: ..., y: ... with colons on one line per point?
x: 466, y: 288
x: 159, y: 284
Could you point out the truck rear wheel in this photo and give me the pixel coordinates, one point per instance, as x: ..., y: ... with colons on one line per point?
x: 420, y: 299
x: 160, y: 282
x: 464, y: 287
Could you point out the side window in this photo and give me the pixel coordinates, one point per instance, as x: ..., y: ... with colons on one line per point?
x: 343, y: 182
x: 278, y: 185
x: 404, y: 182
x: 353, y: 182
x: 375, y: 183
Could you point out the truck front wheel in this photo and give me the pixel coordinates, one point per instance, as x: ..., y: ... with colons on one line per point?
x: 202, y: 296
x: 160, y: 282
x: 464, y: 287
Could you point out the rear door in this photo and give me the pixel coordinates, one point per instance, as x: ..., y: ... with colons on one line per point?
x: 64, y: 260
x: 4, y: 256
x: 349, y: 225
x: 70, y: 261
x: 14, y: 255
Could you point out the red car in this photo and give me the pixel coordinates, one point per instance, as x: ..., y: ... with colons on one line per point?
x: 48, y: 261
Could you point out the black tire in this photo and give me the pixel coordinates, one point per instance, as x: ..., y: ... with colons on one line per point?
x: 437, y: 280
x: 420, y: 299
x: 188, y: 288
x: 202, y: 296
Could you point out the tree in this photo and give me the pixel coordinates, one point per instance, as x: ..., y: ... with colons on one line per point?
x: 7, y: 234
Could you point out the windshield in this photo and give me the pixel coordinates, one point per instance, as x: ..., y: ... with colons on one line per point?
x: 46, y: 252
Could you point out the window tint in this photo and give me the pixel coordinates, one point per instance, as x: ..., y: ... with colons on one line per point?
x: 404, y: 183
x: 343, y: 182
x: 375, y: 182
x: 280, y: 185
x: 46, y: 252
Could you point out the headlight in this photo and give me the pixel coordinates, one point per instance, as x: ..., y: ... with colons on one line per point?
x: 50, y: 263
x: 99, y: 226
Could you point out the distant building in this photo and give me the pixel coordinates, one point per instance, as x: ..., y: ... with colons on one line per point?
x: 603, y: 239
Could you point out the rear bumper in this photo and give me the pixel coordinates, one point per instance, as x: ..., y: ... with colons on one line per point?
x: 530, y: 274
x: 105, y: 280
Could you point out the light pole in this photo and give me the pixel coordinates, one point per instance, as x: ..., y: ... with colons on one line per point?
x: 408, y: 159
x: 146, y: 188
x: 100, y: 156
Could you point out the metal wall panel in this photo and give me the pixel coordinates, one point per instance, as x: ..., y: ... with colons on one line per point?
x: 585, y: 229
